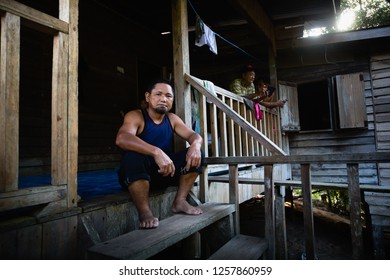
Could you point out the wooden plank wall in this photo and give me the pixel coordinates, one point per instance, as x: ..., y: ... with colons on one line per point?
x: 380, y: 71
x: 342, y: 141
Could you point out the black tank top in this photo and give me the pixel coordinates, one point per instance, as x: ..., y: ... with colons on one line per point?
x: 159, y: 135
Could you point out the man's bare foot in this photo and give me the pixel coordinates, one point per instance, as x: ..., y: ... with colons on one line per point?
x: 147, y: 221
x: 184, y: 206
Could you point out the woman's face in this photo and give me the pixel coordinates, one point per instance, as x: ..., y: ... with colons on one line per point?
x: 262, y: 88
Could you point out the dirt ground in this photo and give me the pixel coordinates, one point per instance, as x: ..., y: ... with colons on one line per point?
x: 332, y: 240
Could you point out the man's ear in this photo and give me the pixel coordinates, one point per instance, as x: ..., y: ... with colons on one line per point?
x: 147, y: 96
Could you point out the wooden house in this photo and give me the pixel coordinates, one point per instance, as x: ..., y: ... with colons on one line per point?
x: 70, y: 69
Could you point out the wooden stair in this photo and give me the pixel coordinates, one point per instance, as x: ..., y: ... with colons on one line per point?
x: 143, y: 244
x: 241, y: 247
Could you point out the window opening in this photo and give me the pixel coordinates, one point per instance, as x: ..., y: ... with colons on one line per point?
x: 314, y: 106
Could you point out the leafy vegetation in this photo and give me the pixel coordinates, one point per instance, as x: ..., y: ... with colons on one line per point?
x: 332, y: 200
x: 368, y: 13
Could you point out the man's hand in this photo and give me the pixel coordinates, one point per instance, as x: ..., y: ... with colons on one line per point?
x: 280, y: 103
x: 165, y: 164
x: 193, y: 157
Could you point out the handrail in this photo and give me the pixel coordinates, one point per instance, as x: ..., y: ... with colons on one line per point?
x: 235, y: 117
x: 273, y: 220
x: 372, y: 157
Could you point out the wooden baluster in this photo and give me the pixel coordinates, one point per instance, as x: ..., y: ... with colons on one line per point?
x: 233, y: 195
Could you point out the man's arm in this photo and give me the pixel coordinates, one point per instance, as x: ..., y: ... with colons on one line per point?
x: 127, y: 138
x: 272, y: 104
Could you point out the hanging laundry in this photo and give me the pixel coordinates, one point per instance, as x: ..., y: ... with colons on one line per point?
x: 205, y: 36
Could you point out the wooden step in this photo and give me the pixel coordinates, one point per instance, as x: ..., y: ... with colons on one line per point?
x: 142, y: 244
x: 241, y: 247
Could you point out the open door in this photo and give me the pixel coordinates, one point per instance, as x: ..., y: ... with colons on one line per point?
x: 289, y: 112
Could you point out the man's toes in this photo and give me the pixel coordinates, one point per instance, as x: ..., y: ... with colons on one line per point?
x: 153, y: 223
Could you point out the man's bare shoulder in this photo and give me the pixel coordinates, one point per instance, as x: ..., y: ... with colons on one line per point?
x: 173, y: 117
x: 134, y: 114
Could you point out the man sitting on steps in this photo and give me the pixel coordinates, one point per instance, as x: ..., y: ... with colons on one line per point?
x: 148, y: 161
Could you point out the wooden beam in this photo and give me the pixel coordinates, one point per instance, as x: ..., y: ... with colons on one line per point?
x: 33, y: 15
x: 9, y: 102
x: 256, y: 14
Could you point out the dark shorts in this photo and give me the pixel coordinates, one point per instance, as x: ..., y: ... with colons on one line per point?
x: 135, y: 166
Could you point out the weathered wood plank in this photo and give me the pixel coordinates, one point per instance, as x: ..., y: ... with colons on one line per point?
x: 241, y: 247
x: 377, y: 198
x: 23, y: 243
x: 34, y: 15
x: 170, y: 231
x: 60, y: 246
x: 380, y: 210
x: 31, y: 197
x: 9, y: 102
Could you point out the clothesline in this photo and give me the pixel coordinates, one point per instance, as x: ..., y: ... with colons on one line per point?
x: 216, y: 34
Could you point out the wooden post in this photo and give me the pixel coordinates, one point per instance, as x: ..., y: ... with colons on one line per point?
x: 355, y: 210
x: 308, y: 212
x: 280, y: 224
x: 269, y: 209
x: 181, y: 64
x: 9, y: 102
x: 73, y: 105
x: 233, y: 195
x: 59, y: 111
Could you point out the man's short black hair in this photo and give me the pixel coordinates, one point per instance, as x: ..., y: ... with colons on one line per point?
x: 248, y: 68
x: 153, y: 83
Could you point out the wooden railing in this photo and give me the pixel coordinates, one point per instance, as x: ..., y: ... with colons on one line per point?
x: 275, y: 231
x: 229, y: 127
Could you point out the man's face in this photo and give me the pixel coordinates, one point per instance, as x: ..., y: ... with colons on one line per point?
x: 249, y: 76
x: 161, y: 98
